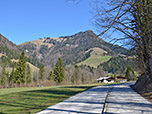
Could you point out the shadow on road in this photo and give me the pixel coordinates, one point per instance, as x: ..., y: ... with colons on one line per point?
x: 69, y: 111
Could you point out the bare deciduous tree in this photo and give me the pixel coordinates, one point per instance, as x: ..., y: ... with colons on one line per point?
x: 133, y: 19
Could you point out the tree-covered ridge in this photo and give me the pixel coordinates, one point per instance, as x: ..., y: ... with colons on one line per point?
x: 7, y: 62
x: 117, y: 65
x: 72, y: 48
x: 12, y: 54
x: 4, y: 42
x: 12, y: 51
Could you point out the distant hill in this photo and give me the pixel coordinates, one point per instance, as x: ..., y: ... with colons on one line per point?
x: 6, y: 43
x: 118, y: 64
x: 72, y: 49
x: 8, y: 48
x: 12, y: 51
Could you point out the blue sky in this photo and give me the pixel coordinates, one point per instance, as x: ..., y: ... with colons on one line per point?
x: 27, y: 20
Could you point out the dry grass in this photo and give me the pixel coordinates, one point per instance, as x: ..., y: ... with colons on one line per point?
x: 96, y: 51
x: 33, y: 68
x: 8, y: 69
x: 148, y: 96
x: 39, y: 42
x: 2, y: 55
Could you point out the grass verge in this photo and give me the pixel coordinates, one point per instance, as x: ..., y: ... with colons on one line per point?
x: 32, y: 100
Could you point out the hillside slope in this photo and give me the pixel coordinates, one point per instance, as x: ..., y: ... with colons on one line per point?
x: 8, y: 48
x: 71, y: 49
x: 6, y: 43
x: 12, y: 51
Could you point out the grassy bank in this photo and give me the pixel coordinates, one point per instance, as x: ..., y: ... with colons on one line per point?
x: 31, y: 100
x: 95, y: 60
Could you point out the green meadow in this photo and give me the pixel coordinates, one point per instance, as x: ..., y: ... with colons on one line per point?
x: 95, y: 60
x: 31, y: 100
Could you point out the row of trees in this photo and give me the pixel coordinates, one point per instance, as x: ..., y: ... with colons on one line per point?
x: 21, y: 73
x: 58, y: 74
x: 71, y: 74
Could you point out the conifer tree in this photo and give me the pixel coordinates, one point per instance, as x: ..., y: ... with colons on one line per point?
x: 28, y: 72
x: 72, y: 79
x: 76, y: 74
x: 59, y: 72
x: 82, y: 79
x: 51, y: 75
x: 41, y: 72
x: 20, y: 70
x: 130, y: 75
x: 12, y: 75
x: 7, y: 82
x: 3, y: 77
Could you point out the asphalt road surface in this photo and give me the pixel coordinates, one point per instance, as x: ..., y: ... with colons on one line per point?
x: 108, y: 99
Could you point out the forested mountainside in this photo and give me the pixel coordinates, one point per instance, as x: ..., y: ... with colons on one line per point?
x: 72, y: 49
x: 9, y: 50
x: 118, y: 65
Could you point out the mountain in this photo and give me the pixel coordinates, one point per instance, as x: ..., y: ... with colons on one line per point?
x: 8, y: 48
x: 72, y: 49
x: 6, y: 43
x: 118, y: 64
x: 12, y: 52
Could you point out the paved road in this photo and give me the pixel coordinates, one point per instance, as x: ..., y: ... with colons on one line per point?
x: 121, y: 100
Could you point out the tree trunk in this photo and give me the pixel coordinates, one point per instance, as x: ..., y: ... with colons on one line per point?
x: 147, y: 56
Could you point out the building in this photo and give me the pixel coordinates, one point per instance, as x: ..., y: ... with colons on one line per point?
x: 105, y: 80
x: 111, y: 79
